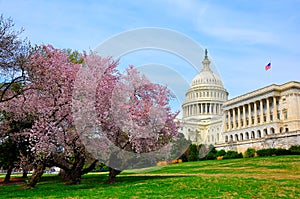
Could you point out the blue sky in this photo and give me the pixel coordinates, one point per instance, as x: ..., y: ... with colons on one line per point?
x: 242, y: 36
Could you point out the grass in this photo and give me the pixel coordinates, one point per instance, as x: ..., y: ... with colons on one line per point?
x: 265, y: 177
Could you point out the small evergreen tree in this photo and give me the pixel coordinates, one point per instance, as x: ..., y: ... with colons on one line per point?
x: 193, y: 152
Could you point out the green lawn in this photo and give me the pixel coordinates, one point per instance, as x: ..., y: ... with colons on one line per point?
x: 266, y: 177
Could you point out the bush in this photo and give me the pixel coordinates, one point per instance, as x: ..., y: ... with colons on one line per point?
x: 210, y: 156
x: 221, y: 153
x: 250, y: 153
x: 295, y: 149
x: 281, y: 151
x: 272, y: 151
x: 193, y: 153
x: 266, y: 152
x: 232, y: 154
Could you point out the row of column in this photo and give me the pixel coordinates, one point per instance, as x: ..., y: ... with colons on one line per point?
x: 201, y: 108
x: 238, y: 121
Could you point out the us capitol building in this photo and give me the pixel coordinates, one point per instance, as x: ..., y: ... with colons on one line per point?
x: 268, y: 117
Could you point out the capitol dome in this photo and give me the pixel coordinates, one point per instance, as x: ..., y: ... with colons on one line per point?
x: 202, y: 111
x: 206, y: 95
x: 206, y: 76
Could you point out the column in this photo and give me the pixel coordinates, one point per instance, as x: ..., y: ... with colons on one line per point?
x: 224, y: 122
x: 187, y: 110
x: 215, y: 109
x: 275, y: 118
x: 200, y: 108
x: 229, y: 120
x: 255, y: 114
x: 239, y: 117
x: 249, y: 115
x: 268, y: 110
x: 233, y: 118
x: 244, y: 116
x: 261, y: 111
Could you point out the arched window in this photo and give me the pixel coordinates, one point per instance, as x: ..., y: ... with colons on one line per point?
x: 258, y: 134
x: 281, y: 130
x: 241, y: 136
x: 236, y: 137
x: 247, y: 136
x: 226, y: 138
x: 286, y: 129
x: 265, y: 132
x: 252, y: 135
x: 231, y: 138
x: 272, y: 130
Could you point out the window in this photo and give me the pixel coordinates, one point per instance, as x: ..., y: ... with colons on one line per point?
x: 272, y: 130
x: 258, y: 134
x: 285, y: 114
x: 236, y: 137
x: 247, y: 136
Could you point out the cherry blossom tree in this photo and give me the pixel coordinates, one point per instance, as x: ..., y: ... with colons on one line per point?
x: 47, y: 99
x: 133, y: 117
x: 87, y: 112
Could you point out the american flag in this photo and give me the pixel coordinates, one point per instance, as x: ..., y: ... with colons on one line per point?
x: 268, y: 66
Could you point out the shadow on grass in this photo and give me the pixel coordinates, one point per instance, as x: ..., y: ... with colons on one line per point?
x: 52, y: 186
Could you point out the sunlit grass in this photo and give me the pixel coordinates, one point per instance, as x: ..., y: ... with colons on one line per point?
x: 268, y: 177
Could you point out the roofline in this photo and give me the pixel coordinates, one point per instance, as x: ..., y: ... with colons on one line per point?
x: 270, y: 88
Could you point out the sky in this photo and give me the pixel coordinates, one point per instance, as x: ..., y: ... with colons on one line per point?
x: 242, y: 36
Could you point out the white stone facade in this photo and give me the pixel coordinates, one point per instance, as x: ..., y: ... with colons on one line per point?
x: 267, y: 117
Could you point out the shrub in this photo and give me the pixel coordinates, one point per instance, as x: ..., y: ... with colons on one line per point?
x: 193, y: 153
x: 232, y: 154
x: 221, y: 153
x: 295, y: 149
x: 272, y: 151
x: 281, y: 151
x: 210, y: 156
x: 211, y: 153
x: 266, y: 152
x: 250, y: 152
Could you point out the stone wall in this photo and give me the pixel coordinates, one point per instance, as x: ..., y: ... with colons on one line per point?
x: 283, y: 140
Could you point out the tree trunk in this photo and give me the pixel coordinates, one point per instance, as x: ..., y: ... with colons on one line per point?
x: 73, y: 175
x: 24, y: 175
x: 37, y: 174
x: 90, y: 168
x: 112, y: 175
x: 8, y: 174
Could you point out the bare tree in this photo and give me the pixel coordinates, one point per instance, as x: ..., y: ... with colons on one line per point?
x: 13, y: 56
